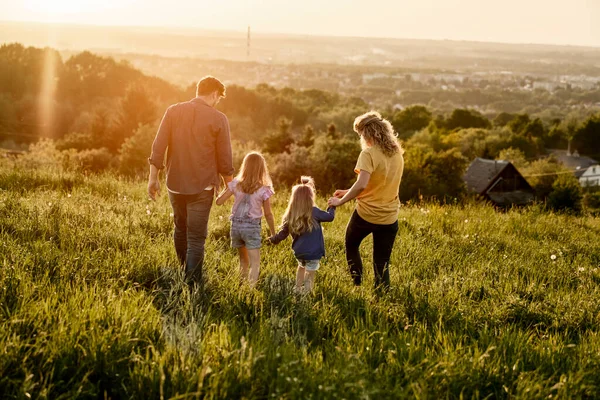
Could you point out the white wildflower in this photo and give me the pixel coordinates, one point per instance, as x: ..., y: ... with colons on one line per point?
x: 148, y: 212
x: 553, y: 257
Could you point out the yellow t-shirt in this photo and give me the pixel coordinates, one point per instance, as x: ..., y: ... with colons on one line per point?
x: 379, y: 202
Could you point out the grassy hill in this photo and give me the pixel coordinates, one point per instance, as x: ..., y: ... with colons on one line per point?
x: 483, y: 304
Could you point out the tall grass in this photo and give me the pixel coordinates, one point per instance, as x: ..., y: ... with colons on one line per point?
x: 483, y: 304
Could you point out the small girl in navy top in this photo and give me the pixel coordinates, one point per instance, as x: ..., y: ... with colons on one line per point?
x: 252, y: 190
x: 302, y: 220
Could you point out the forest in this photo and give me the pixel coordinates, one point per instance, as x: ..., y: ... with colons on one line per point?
x: 104, y: 115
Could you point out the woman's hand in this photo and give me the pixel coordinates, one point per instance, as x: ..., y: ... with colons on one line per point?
x: 340, y: 193
x: 334, y: 202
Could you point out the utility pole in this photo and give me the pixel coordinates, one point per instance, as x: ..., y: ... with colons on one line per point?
x: 248, y: 45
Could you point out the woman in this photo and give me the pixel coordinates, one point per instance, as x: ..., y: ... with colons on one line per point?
x: 379, y: 168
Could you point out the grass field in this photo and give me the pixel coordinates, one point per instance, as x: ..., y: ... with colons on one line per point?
x: 483, y: 304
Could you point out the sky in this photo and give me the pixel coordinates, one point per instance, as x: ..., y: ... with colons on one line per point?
x: 510, y: 21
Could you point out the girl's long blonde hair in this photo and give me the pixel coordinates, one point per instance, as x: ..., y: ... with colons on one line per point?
x: 298, y: 215
x: 254, y: 173
x: 377, y: 131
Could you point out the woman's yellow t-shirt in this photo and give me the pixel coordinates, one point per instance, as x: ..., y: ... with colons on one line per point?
x: 379, y: 202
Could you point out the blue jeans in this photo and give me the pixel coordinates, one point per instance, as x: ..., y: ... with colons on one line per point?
x: 190, y: 213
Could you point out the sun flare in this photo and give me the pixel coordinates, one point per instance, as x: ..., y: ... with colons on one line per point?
x: 62, y: 7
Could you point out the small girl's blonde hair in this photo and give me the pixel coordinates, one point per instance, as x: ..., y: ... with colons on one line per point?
x: 298, y: 215
x: 254, y: 173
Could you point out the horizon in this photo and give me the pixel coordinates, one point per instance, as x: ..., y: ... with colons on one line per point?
x: 455, y: 20
x: 170, y: 29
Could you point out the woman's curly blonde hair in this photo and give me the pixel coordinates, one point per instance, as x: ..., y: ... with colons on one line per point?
x: 377, y: 131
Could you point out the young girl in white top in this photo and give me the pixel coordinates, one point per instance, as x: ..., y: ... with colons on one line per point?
x: 252, y: 189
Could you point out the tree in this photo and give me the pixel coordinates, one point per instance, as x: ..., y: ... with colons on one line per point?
x: 503, y: 119
x: 515, y: 156
x: 566, y: 194
x: 535, y: 129
x: 136, y: 109
x: 410, y: 120
x: 519, y: 123
x: 464, y: 118
x: 541, y: 175
x: 332, y: 131
x: 569, y: 127
x: 587, y: 137
x: 279, y: 140
x: 133, y: 154
x: 308, y: 137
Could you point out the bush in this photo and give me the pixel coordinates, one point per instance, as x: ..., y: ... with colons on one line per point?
x: 566, y: 194
x: 591, y: 201
x: 134, y: 152
x: 77, y: 141
x: 541, y: 175
x: 92, y: 160
x: 43, y: 153
x: 329, y: 161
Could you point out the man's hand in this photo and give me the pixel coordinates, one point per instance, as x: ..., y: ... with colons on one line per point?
x: 334, y: 202
x: 340, y: 193
x: 153, y: 188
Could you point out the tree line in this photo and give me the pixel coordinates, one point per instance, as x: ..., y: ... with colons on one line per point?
x: 105, y: 115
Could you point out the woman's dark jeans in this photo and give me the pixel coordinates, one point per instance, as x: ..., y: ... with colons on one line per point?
x: 191, y: 212
x: 383, y: 243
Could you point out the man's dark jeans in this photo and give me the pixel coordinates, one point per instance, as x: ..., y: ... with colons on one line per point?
x: 191, y: 212
x: 383, y: 243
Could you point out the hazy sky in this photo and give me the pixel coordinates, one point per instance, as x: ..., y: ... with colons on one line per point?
x: 519, y: 21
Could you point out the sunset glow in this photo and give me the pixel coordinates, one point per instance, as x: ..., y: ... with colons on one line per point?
x: 513, y: 21
x: 60, y: 8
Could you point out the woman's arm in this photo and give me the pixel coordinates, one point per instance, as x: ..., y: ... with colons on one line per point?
x: 361, y: 183
x: 269, y: 216
x: 225, y: 194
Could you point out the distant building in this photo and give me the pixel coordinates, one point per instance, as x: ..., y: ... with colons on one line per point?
x: 498, y: 181
x: 573, y: 161
x: 591, y: 176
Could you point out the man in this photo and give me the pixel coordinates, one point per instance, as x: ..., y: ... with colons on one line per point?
x: 197, y: 136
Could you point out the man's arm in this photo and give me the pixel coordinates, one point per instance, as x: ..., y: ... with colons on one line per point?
x: 224, y: 157
x: 153, y: 183
x: 156, y: 160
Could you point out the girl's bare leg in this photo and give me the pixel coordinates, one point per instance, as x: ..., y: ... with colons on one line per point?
x: 244, y: 262
x: 299, y: 278
x: 309, y: 280
x: 254, y: 256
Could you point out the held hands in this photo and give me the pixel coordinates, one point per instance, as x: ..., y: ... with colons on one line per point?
x: 336, y: 200
x: 340, y: 193
x: 153, y: 188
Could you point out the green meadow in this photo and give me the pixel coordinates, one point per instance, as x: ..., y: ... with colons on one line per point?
x: 483, y: 304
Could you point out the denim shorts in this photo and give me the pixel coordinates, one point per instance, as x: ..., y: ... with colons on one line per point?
x: 245, y: 233
x: 309, y: 265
